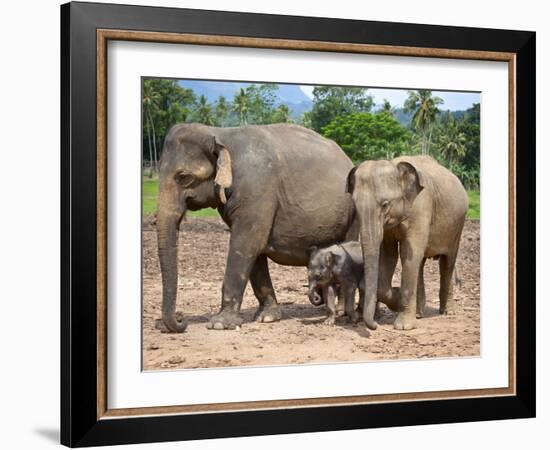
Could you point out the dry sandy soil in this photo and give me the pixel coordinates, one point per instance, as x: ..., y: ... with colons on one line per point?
x: 300, y: 337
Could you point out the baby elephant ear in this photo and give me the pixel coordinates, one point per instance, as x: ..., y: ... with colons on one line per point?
x: 411, y: 180
x: 224, y: 178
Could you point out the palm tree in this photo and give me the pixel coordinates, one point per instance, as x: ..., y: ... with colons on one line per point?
x: 387, y: 108
x: 150, y: 101
x: 203, y: 113
x: 452, y: 143
x: 424, y: 109
x: 281, y: 114
x: 241, y: 106
x: 222, y: 109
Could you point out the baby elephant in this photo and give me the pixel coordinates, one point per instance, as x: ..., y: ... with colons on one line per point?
x: 337, y: 270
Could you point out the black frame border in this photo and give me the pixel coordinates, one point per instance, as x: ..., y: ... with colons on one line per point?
x: 79, y: 423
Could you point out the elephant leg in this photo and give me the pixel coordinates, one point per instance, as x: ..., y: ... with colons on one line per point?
x: 349, y: 300
x: 246, y: 244
x: 388, y: 260
x: 361, y: 304
x: 330, y: 297
x: 260, y: 280
x: 420, y: 292
x: 412, y: 255
x: 446, y: 269
x: 340, y: 307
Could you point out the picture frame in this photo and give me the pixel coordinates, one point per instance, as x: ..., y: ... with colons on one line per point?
x: 86, y: 28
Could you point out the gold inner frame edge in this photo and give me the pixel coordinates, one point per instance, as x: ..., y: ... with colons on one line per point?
x: 103, y: 36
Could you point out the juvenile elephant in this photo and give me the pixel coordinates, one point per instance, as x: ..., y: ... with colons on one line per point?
x: 337, y: 270
x: 264, y: 181
x: 415, y: 202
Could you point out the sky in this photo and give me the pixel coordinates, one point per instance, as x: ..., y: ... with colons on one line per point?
x: 455, y: 101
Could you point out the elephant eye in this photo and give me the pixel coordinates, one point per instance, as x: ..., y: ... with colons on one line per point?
x: 385, y: 205
x: 185, y: 180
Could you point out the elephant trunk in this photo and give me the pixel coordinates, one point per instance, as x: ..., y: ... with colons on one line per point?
x: 315, y: 297
x: 371, y: 239
x: 167, y: 233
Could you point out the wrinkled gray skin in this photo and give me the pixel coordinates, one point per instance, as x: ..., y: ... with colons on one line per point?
x: 415, y: 202
x: 337, y: 268
x: 264, y: 181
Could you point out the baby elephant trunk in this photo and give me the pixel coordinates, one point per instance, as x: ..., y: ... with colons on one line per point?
x: 315, y: 294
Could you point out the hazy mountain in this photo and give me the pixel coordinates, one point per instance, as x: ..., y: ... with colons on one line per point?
x: 297, y: 109
x: 404, y: 118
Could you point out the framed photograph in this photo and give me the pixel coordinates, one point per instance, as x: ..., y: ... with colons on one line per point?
x: 278, y: 224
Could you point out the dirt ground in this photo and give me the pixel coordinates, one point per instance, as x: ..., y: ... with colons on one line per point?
x: 300, y: 337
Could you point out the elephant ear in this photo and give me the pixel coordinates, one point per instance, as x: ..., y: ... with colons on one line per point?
x: 332, y: 259
x: 224, y: 177
x: 350, y: 183
x: 412, y: 180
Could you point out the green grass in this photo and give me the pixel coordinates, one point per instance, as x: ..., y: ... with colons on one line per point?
x: 151, y: 187
x: 150, y: 191
x: 473, y: 210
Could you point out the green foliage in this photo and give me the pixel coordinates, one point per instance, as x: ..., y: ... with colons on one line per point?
x: 149, y: 206
x: 203, y: 112
x: 455, y: 144
x: 423, y: 107
x: 172, y: 103
x: 387, y: 108
x: 469, y: 126
x: 343, y: 114
x: 255, y: 104
x: 281, y: 115
x: 473, y: 210
x: 262, y: 99
x: 241, y: 106
x: 164, y: 104
x: 330, y: 103
x: 222, y: 111
x: 368, y: 136
x: 305, y: 120
x: 452, y: 142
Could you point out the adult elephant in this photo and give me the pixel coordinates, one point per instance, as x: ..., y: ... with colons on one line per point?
x: 281, y: 190
x: 415, y: 202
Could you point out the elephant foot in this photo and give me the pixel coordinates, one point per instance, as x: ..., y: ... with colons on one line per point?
x: 330, y: 321
x: 225, y: 320
x: 354, y: 317
x: 379, y: 312
x: 447, y: 311
x: 420, y: 313
x: 268, y: 314
x: 404, y: 322
x: 340, y: 310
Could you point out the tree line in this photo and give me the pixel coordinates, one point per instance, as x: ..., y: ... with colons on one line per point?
x: 346, y: 115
